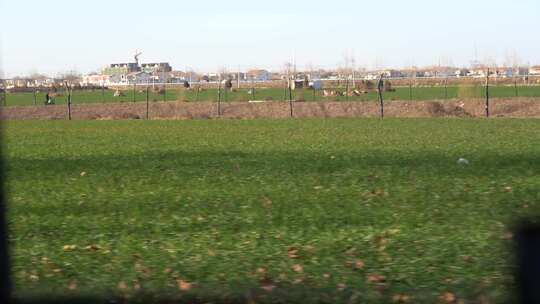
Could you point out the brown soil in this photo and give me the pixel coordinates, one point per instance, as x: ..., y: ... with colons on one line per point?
x: 515, y: 107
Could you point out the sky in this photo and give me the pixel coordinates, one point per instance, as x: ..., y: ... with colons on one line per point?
x: 56, y: 36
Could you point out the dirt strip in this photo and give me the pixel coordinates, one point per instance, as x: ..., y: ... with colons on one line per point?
x: 514, y: 107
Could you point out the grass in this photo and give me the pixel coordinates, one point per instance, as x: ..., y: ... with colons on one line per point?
x: 325, y: 205
x: 401, y: 93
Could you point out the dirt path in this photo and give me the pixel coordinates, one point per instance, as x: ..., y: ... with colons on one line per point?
x: 515, y: 107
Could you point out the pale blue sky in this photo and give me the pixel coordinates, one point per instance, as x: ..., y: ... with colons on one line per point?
x: 59, y: 35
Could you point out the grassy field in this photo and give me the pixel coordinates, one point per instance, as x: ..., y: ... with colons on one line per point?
x: 351, y: 210
x: 401, y: 93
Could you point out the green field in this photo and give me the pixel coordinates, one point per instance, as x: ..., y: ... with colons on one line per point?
x: 401, y: 93
x: 327, y: 206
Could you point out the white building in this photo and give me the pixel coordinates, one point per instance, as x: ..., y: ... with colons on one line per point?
x: 259, y: 75
x: 138, y: 78
x: 95, y: 80
x: 535, y: 70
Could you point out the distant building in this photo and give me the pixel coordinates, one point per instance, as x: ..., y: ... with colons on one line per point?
x: 461, y: 72
x: 535, y: 70
x: 139, y: 78
x: 521, y: 71
x: 393, y: 74
x: 259, y: 75
x: 162, y: 67
x: 95, y: 80
x: 179, y: 77
x: 121, y: 68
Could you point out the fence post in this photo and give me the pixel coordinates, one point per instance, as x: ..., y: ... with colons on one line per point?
x: 147, y: 100
x: 35, y: 96
x: 446, y: 88
x: 134, y: 91
x: 487, y: 93
x: 410, y: 91
x: 68, y: 89
x: 103, y: 92
x: 164, y: 92
x: 379, y: 89
x: 285, y: 91
x: 290, y: 98
x: 516, y: 87
x: 253, y: 88
x: 219, y: 98
x: 4, y: 94
x: 347, y: 89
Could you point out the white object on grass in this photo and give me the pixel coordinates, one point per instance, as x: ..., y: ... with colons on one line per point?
x: 463, y: 162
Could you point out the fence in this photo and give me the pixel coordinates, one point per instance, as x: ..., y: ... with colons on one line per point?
x: 365, y: 91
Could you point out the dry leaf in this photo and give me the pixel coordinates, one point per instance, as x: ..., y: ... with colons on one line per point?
x: 298, y: 268
x: 327, y: 276
x: 266, y: 202
x: 122, y: 285
x: 508, y: 236
x: 261, y: 270
x: 468, y: 259
x: 167, y: 270
x: 399, y: 298
x: 267, y: 285
x: 341, y: 286
x: 184, y: 285
x: 83, y: 173
x: 68, y: 248
x: 508, y: 189
x: 72, y: 285
x: 359, y: 264
x: 92, y: 247
x: 33, y: 277
x: 447, y: 297
x: 374, y: 278
x: 351, y: 251
x: 292, y: 253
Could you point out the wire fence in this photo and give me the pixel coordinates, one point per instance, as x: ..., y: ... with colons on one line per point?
x: 342, y: 90
x: 359, y: 90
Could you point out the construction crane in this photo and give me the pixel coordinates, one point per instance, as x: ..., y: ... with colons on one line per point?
x: 137, y: 54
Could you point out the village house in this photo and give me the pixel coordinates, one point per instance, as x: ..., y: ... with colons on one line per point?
x: 534, y: 71
x: 138, y: 78
x: 259, y: 75
x: 95, y: 80
x: 392, y: 74
x: 152, y: 68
